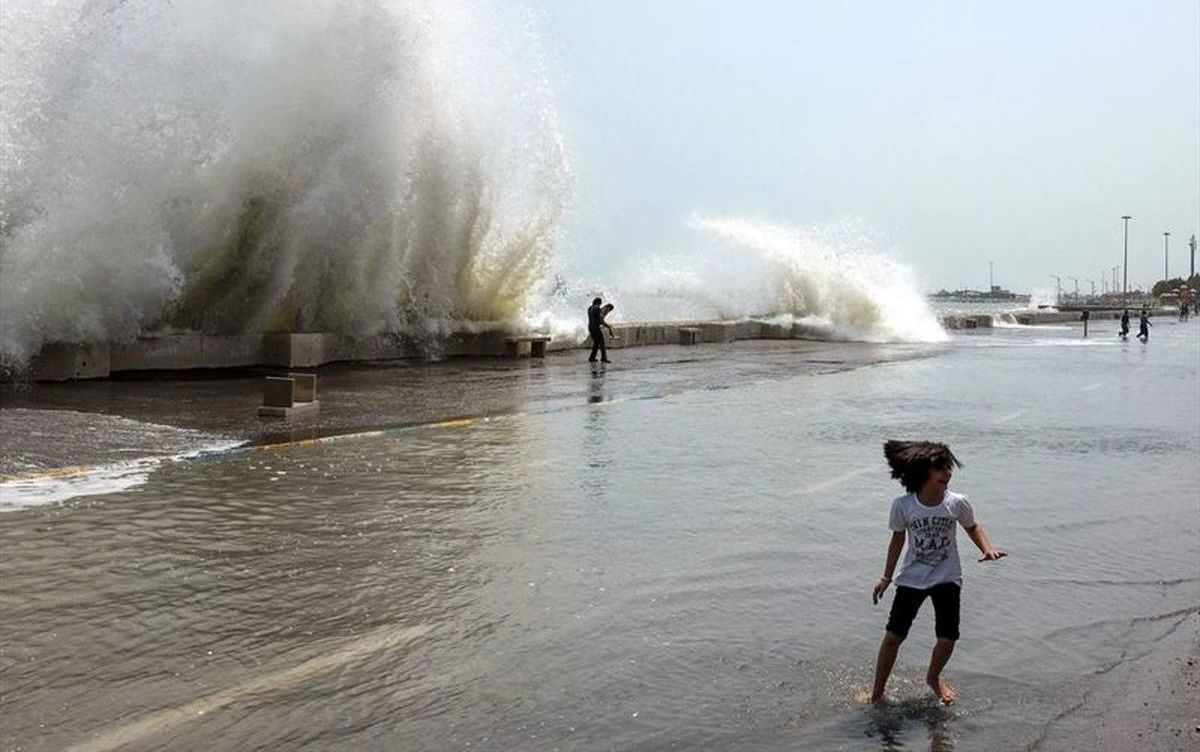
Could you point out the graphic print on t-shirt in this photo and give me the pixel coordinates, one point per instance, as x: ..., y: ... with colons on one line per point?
x: 931, y: 537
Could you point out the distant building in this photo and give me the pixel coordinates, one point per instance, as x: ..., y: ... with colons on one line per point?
x: 996, y: 294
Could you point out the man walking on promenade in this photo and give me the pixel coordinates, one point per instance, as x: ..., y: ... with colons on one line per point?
x: 595, y: 315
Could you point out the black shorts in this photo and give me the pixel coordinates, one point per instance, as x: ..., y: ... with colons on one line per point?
x: 908, y: 601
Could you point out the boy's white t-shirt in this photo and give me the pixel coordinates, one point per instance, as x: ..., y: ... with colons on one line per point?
x: 931, y: 556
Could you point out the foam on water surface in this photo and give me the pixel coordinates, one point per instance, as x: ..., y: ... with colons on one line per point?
x: 50, y: 456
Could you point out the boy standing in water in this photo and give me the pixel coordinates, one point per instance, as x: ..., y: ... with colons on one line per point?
x: 927, y: 515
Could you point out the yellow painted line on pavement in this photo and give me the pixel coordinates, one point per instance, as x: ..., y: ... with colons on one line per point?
x: 57, y: 473
x: 284, y: 445
x: 455, y: 423
x: 163, y: 720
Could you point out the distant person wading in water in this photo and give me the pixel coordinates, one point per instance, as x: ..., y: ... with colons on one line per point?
x: 1124, y: 333
x: 929, y: 516
x: 596, y: 314
x: 1144, y: 326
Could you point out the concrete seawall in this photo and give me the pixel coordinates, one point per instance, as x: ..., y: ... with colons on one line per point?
x: 178, y: 351
x: 988, y: 321
x: 1033, y: 318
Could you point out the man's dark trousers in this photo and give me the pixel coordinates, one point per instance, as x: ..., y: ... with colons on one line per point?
x: 597, y: 343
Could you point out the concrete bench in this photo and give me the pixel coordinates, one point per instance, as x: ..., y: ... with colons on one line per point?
x: 289, y: 396
x: 689, y: 335
x: 531, y: 345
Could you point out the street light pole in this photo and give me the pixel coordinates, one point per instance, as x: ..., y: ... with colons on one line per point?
x: 1057, y: 289
x: 1166, y: 256
x: 1125, y: 273
x: 1114, y: 271
x: 1076, y: 286
x: 1093, y: 283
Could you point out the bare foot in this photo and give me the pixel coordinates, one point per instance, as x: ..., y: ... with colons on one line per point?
x: 944, y: 691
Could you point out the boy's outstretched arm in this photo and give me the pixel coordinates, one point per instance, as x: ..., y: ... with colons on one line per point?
x: 980, y: 539
x: 895, y: 546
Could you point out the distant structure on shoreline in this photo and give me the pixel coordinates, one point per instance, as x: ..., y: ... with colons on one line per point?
x: 996, y: 294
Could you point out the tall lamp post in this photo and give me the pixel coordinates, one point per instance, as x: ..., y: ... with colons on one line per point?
x: 1114, y: 271
x: 1166, y: 255
x: 1076, y: 286
x: 1192, y: 245
x: 1057, y: 289
x: 1125, y: 272
x: 1093, y: 284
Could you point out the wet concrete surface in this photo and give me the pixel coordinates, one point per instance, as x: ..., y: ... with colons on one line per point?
x: 358, y: 397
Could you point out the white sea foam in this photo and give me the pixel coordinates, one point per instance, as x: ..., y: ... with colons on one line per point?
x: 233, y: 166
x: 830, y: 279
x: 117, y: 454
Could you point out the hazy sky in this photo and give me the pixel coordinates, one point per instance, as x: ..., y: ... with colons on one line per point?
x: 962, y: 132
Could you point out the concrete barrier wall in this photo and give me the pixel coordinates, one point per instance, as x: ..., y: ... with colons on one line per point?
x: 189, y: 350
x: 967, y: 321
x: 60, y: 361
x: 186, y: 350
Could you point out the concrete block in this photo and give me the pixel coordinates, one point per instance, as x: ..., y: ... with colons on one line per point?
x: 60, y: 361
x: 689, y: 335
x: 288, y: 350
x: 279, y: 391
x: 526, y: 345
x: 305, y: 389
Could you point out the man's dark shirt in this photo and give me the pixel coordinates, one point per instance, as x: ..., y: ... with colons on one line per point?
x: 595, y: 317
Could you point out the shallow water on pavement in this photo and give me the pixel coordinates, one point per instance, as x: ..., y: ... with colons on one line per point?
x: 687, y: 568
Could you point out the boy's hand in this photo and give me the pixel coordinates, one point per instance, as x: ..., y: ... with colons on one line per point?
x: 880, y: 587
x: 992, y: 555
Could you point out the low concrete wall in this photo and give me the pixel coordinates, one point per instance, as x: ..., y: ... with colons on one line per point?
x: 181, y: 351
x: 60, y: 361
x: 1046, y: 317
x: 190, y: 350
x: 178, y: 351
x: 967, y: 321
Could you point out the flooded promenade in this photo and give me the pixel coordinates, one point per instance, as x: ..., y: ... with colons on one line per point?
x: 673, y: 551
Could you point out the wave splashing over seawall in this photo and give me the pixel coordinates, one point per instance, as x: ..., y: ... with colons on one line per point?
x: 227, y: 166
x: 829, y: 279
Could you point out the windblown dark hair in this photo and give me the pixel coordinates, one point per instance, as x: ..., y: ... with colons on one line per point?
x: 911, y: 461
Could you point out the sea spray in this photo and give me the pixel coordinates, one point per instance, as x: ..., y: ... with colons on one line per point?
x: 830, y: 279
x: 227, y: 166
